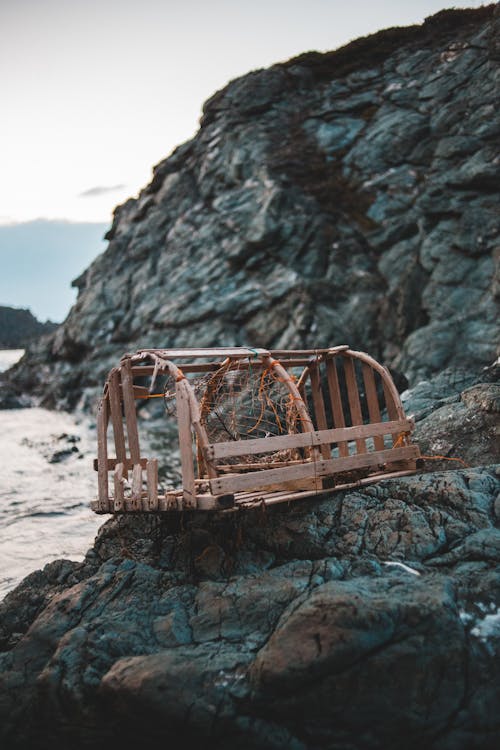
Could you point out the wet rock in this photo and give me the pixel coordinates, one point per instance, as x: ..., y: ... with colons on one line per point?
x: 61, y: 455
x: 463, y: 427
x: 341, y: 620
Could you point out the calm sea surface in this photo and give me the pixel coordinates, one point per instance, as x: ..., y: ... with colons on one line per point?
x: 46, y: 483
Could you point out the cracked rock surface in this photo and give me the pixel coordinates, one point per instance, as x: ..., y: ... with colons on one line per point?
x: 347, y: 197
x: 345, y: 622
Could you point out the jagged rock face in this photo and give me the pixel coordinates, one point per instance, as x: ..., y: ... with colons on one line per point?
x: 349, y: 622
x: 338, y: 198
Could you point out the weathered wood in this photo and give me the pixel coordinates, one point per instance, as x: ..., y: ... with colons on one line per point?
x: 127, y: 464
x: 102, y: 453
x: 260, y: 479
x: 336, y: 401
x: 245, y: 500
x: 285, y: 497
x: 213, y: 502
x: 130, y: 413
x: 141, y: 393
x: 201, y: 367
x: 284, y: 376
x: 231, y: 468
x: 116, y: 418
x: 152, y: 483
x: 319, y: 406
x: 185, y: 444
x: 136, y: 497
x: 118, y: 479
x: 372, y: 402
x: 354, y: 402
x: 303, y: 439
x: 144, y: 371
x: 314, y: 469
x: 310, y: 352
x: 171, y: 501
x: 393, y: 402
x: 234, y: 352
x: 392, y: 407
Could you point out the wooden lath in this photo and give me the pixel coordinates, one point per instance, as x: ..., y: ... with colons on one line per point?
x: 344, y: 421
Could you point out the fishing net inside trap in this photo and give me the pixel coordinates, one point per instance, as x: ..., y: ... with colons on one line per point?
x: 240, y: 401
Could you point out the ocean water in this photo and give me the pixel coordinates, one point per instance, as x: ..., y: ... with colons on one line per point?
x: 46, y: 483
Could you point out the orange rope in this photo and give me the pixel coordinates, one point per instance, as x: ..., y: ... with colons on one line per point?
x: 445, y: 458
x: 400, y: 440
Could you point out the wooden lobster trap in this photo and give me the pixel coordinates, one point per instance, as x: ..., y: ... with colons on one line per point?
x: 254, y: 426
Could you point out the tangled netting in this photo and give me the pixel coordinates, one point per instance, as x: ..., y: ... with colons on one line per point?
x: 240, y: 401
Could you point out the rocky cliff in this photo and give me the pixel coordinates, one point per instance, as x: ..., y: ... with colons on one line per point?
x: 346, y: 197
x: 338, y: 197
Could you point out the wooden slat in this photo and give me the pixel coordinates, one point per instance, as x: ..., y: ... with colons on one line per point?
x: 140, y: 392
x: 117, y: 419
x: 231, y: 468
x: 237, y: 351
x: 310, y: 352
x: 152, y: 483
x: 319, y: 406
x: 127, y: 465
x: 212, y: 502
x: 313, y: 469
x: 130, y: 413
x: 102, y: 453
x: 171, y: 501
x: 136, y: 497
x: 392, y: 409
x: 186, y: 367
x: 118, y: 486
x: 185, y: 444
x: 336, y: 402
x: 217, y: 351
x: 372, y: 402
x: 285, y: 497
x: 354, y: 403
x: 306, y: 423
x: 147, y: 370
x: 248, y: 500
x: 303, y: 439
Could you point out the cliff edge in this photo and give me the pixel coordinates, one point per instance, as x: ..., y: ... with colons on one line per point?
x: 339, y: 197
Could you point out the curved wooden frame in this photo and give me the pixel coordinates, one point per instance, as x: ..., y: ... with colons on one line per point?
x: 327, y: 450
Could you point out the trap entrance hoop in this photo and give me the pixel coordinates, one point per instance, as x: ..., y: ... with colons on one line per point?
x: 254, y: 426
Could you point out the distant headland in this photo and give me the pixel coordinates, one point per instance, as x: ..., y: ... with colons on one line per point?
x: 19, y: 327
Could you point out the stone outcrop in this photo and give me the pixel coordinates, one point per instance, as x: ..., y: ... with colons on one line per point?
x: 347, y: 622
x: 346, y: 197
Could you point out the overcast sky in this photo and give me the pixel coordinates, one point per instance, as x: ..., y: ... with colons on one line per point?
x: 95, y: 92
